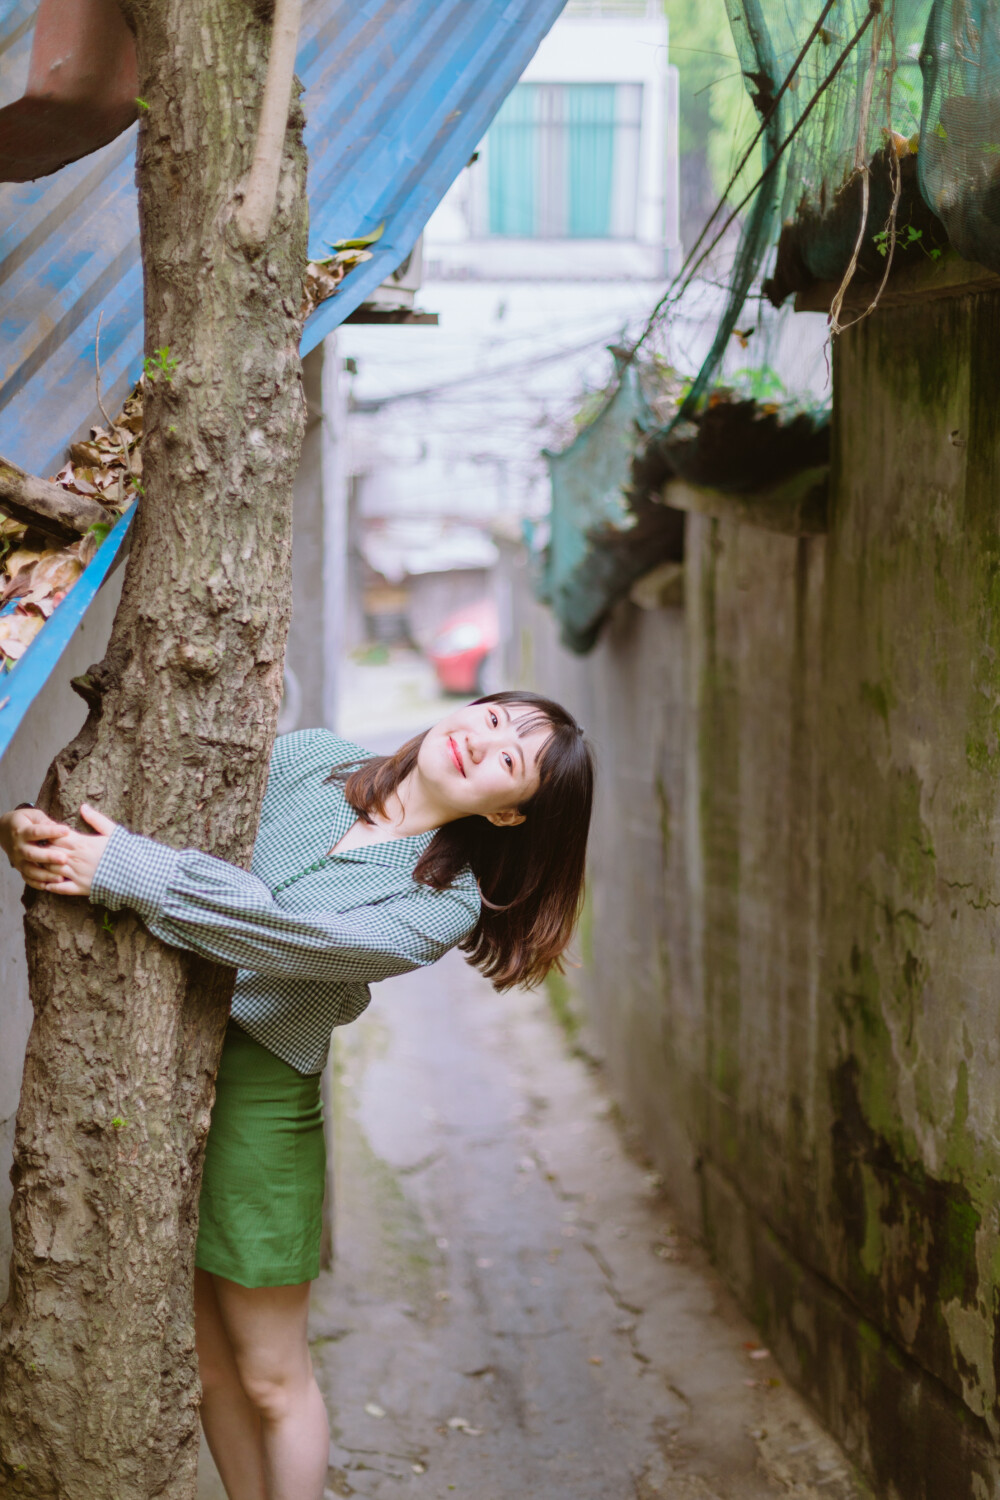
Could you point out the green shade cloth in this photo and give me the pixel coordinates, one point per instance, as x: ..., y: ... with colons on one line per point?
x: 261, y: 1210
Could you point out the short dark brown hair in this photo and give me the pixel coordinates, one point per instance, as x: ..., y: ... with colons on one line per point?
x: 530, y: 876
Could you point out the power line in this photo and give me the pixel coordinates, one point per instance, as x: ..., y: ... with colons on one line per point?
x: 460, y: 382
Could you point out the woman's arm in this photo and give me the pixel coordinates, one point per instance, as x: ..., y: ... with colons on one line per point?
x: 194, y: 901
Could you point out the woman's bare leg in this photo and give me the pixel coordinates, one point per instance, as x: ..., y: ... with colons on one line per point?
x: 231, y: 1423
x: 266, y: 1328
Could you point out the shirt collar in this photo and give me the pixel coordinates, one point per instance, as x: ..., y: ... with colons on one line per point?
x: 400, y: 853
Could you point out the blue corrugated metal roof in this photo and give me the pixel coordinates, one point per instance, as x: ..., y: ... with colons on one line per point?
x: 398, y: 95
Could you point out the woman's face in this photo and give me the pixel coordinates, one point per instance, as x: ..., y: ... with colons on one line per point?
x: 476, y: 761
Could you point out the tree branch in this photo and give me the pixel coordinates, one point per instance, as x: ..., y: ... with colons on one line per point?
x: 253, y: 217
x: 47, y: 507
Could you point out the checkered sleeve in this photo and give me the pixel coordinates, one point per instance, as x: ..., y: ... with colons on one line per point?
x: 194, y: 901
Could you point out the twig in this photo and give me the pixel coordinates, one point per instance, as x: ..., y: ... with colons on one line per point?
x: 838, y: 298
x: 860, y: 165
x: 118, y: 431
x: 895, y: 173
x: 253, y: 217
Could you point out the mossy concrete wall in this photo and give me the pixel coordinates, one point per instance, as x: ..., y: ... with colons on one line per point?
x: 793, y: 967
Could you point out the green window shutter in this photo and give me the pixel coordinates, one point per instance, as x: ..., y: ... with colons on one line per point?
x: 513, y: 164
x: 590, y: 142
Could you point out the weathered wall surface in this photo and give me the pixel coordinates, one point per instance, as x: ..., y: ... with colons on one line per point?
x: 793, y: 966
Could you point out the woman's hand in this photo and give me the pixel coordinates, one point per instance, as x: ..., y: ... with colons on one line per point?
x: 49, y: 856
x: 25, y: 836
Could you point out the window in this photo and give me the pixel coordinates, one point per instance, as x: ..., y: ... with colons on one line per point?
x: 563, y: 161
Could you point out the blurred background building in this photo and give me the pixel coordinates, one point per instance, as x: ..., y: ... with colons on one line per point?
x: 553, y: 243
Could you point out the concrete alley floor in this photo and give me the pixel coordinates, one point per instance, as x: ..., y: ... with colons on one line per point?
x: 513, y: 1312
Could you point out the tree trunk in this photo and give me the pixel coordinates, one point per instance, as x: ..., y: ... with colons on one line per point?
x: 99, y: 1391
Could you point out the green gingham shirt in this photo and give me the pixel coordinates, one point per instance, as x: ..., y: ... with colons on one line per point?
x: 308, y: 930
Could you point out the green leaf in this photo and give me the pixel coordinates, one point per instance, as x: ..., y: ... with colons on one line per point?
x: 761, y: 382
x: 362, y: 242
x: 100, y: 530
x: 161, y: 362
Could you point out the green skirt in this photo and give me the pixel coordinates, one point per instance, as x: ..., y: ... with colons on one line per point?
x: 261, y: 1210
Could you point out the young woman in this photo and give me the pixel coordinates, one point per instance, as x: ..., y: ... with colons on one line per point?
x: 473, y: 834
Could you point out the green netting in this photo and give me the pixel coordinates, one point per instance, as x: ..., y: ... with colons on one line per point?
x: 858, y: 83
x: 959, y: 154
x: 610, y: 521
x: 879, y: 145
x: 588, y: 480
x: 850, y: 181
x: 606, y: 527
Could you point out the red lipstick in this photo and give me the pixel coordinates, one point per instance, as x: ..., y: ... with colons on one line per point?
x: 456, y: 754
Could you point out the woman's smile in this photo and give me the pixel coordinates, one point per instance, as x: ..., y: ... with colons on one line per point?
x: 456, y: 754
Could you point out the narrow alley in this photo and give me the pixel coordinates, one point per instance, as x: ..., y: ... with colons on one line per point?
x: 512, y: 1312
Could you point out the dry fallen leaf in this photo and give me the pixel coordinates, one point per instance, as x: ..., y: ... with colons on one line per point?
x: 323, y: 277
x: 21, y: 558
x: 17, y: 631
x: 85, y: 548
x: 85, y: 453
x: 104, y: 467
x: 83, y: 482
x: 54, y: 572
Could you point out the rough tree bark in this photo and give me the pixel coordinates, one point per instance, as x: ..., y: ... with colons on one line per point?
x: 98, y: 1399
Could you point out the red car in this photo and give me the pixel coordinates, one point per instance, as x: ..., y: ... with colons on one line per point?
x: 461, y: 646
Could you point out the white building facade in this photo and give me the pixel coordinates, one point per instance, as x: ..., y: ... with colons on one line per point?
x: 555, y: 242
